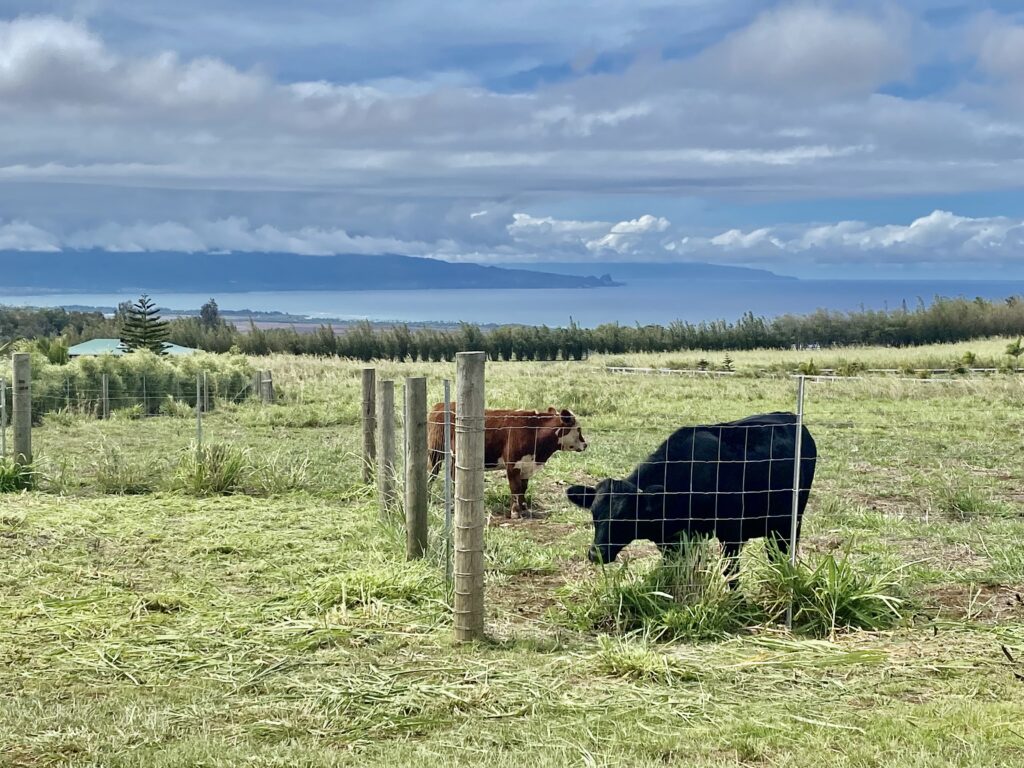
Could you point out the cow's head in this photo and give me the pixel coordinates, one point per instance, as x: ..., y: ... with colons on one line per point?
x: 622, y: 513
x: 570, y: 436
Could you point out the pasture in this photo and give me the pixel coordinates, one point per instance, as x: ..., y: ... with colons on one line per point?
x: 145, y: 621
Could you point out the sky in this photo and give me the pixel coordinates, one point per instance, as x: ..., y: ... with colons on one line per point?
x: 856, y: 139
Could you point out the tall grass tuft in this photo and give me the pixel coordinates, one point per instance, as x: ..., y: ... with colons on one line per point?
x: 829, y: 594
x: 684, y: 595
x: 115, y: 474
x: 15, y: 477
x: 213, y: 469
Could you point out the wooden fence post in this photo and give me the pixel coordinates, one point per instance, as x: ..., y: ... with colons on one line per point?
x: 369, y: 422
x: 3, y: 417
x: 386, y: 439
x: 415, y: 467
x: 268, y: 387
x: 22, y: 409
x: 469, y: 497
x: 257, y: 385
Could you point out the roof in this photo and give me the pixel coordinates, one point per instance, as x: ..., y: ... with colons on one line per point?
x: 115, y: 347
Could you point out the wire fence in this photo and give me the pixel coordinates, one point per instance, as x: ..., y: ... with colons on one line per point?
x: 886, y: 461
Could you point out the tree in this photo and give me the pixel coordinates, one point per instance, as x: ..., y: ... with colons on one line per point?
x: 209, y: 313
x: 1015, y: 349
x: 143, y: 328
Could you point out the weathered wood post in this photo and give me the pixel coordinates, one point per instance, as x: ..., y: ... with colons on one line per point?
x: 369, y: 422
x: 386, y: 439
x: 469, y: 497
x: 22, y: 409
x: 105, y: 395
x: 3, y: 417
x: 257, y: 385
x: 268, y: 387
x: 206, y: 393
x: 415, y: 467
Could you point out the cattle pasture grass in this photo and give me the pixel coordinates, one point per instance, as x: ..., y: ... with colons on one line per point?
x: 147, y: 619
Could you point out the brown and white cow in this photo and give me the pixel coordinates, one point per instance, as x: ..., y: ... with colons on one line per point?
x: 519, y: 442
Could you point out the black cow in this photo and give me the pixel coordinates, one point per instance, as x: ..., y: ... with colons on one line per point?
x: 732, y: 480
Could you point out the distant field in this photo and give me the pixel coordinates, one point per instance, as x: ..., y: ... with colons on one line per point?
x: 280, y: 626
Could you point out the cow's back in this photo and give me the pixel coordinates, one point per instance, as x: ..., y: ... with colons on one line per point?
x: 733, y: 479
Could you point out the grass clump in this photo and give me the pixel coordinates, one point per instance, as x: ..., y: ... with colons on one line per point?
x: 685, y: 595
x: 15, y: 477
x: 114, y: 474
x: 213, y: 469
x: 829, y: 594
x: 962, y: 501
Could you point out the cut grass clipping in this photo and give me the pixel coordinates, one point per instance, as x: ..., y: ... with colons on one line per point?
x: 686, y: 595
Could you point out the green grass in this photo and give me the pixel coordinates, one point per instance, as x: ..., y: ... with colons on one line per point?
x: 278, y: 624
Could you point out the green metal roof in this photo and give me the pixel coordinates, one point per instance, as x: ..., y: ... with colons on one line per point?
x: 114, y: 347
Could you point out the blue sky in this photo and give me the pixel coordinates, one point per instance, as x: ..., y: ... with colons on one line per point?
x: 857, y: 139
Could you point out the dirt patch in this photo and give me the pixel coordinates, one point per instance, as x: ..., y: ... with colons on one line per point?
x: 979, y: 602
x: 528, y: 596
x: 955, y: 558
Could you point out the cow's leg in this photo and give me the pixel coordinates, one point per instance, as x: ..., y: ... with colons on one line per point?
x: 731, y: 552
x: 517, y: 485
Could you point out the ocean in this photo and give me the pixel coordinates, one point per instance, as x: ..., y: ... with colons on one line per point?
x: 641, y: 301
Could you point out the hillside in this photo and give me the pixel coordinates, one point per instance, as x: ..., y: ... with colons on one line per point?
x: 95, y: 270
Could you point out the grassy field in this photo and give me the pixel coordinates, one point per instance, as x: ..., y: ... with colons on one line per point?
x: 278, y: 625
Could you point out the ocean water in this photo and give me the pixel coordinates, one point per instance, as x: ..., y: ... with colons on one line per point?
x: 641, y: 301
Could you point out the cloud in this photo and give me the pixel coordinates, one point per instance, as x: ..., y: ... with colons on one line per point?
x: 237, y: 234
x: 22, y: 236
x: 939, y: 238
x: 810, y: 48
x: 187, y: 134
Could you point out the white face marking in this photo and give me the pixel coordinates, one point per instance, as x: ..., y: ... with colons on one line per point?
x: 500, y: 464
x: 572, y: 440
x: 527, y: 466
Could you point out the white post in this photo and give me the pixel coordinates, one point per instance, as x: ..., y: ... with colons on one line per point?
x: 469, y: 497
x: 447, y: 481
x: 22, y: 409
x: 795, y: 514
x: 206, y: 394
x: 106, y: 396
x: 199, y: 409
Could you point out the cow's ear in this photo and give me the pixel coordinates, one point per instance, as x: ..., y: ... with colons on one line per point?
x: 654, y: 501
x: 567, y: 418
x: 581, y: 495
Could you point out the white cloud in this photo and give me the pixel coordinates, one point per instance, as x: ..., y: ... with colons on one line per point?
x: 1001, y: 51
x: 810, y: 47
x: 237, y: 234
x: 22, y: 236
x: 940, y: 237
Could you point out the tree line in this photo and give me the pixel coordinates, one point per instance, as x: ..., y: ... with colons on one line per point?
x: 944, y: 320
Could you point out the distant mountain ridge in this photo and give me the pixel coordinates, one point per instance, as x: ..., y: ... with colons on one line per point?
x: 655, y: 270
x: 105, y: 271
